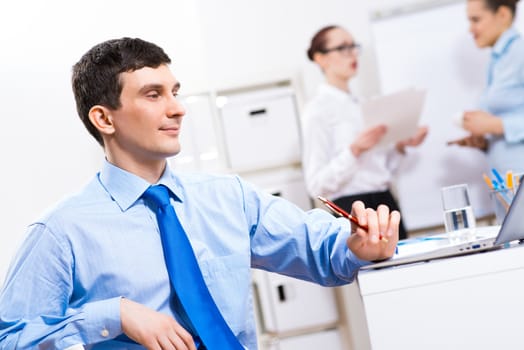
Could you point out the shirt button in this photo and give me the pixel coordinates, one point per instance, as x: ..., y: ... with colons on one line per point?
x: 104, y: 333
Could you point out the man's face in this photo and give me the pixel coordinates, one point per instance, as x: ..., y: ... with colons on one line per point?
x: 147, y: 125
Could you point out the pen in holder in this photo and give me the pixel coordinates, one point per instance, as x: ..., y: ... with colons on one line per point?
x: 501, y: 199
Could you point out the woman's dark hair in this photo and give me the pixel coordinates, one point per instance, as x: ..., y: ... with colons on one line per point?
x: 96, y: 77
x: 319, y: 40
x: 494, y: 5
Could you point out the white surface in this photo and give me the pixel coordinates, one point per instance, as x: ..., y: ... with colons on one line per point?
x: 353, y: 325
x: 261, y: 129
x: 199, y: 137
x: 433, y: 50
x: 286, y: 182
x: 469, y: 302
x: 399, y: 111
x: 305, y: 306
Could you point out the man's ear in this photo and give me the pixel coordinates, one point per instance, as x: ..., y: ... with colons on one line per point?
x: 101, y: 119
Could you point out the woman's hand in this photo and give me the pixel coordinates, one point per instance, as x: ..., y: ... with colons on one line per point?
x: 414, y: 140
x: 471, y: 141
x: 480, y: 123
x: 367, y: 139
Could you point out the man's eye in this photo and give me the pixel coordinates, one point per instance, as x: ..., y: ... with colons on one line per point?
x: 153, y: 95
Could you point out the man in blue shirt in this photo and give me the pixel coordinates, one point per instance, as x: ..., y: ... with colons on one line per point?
x: 91, y: 271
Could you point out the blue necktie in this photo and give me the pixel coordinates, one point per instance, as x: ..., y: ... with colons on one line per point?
x: 186, y: 277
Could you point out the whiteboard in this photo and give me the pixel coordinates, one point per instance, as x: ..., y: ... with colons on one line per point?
x: 433, y: 49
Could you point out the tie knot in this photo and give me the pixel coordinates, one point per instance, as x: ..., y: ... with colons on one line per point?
x: 157, y: 194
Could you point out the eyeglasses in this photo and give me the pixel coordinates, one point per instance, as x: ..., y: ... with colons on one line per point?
x: 345, y: 49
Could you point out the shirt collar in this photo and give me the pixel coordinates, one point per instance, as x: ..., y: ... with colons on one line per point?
x: 334, y: 91
x: 126, y: 188
x: 504, y: 41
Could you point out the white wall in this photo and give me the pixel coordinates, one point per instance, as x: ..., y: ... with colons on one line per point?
x: 251, y: 42
x: 214, y: 45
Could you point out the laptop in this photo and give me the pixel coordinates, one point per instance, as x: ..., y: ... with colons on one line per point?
x: 478, y: 239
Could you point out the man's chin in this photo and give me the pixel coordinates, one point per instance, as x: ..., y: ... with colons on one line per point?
x: 173, y: 153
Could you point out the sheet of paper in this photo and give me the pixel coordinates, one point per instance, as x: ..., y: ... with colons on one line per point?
x: 399, y: 111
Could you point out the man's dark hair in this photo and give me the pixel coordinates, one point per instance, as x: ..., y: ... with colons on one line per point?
x: 96, y: 77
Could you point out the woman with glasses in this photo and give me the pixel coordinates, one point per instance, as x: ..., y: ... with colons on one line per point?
x: 340, y: 159
x: 497, y: 127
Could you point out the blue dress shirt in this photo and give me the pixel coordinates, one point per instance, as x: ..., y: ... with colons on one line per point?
x: 504, y: 98
x: 65, y: 284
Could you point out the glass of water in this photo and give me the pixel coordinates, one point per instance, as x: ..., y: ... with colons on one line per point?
x: 458, y: 213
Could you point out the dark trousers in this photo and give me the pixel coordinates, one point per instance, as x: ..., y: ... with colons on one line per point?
x: 372, y: 200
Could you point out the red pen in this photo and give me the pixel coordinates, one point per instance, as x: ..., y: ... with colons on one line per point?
x: 345, y: 214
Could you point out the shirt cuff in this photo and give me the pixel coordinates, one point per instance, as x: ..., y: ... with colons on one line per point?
x: 345, y: 263
x: 102, y: 320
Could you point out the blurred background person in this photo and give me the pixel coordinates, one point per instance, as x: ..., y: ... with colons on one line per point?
x: 497, y: 127
x: 340, y: 159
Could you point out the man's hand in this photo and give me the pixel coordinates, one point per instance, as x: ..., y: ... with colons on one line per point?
x: 152, y: 329
x: 368, y: 245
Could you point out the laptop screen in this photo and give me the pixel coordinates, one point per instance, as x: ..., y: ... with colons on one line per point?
x: 513, y: 224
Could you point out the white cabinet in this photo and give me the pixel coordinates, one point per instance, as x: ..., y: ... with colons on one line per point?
x: 199, y: 137
x: 286, y: 182
x: 260, y: 127
x: 261, y: 137
x: 289, y: 305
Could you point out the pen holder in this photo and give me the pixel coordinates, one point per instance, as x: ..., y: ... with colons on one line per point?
x: 501, y: 200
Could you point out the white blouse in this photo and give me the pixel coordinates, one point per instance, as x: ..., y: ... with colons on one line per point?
x: 331, y: 121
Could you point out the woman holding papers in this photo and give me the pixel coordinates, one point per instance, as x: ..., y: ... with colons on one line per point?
x: 340, y: 157
x: 497, y: 127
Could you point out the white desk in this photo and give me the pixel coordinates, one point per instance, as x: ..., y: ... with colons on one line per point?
x: 468, y: 302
